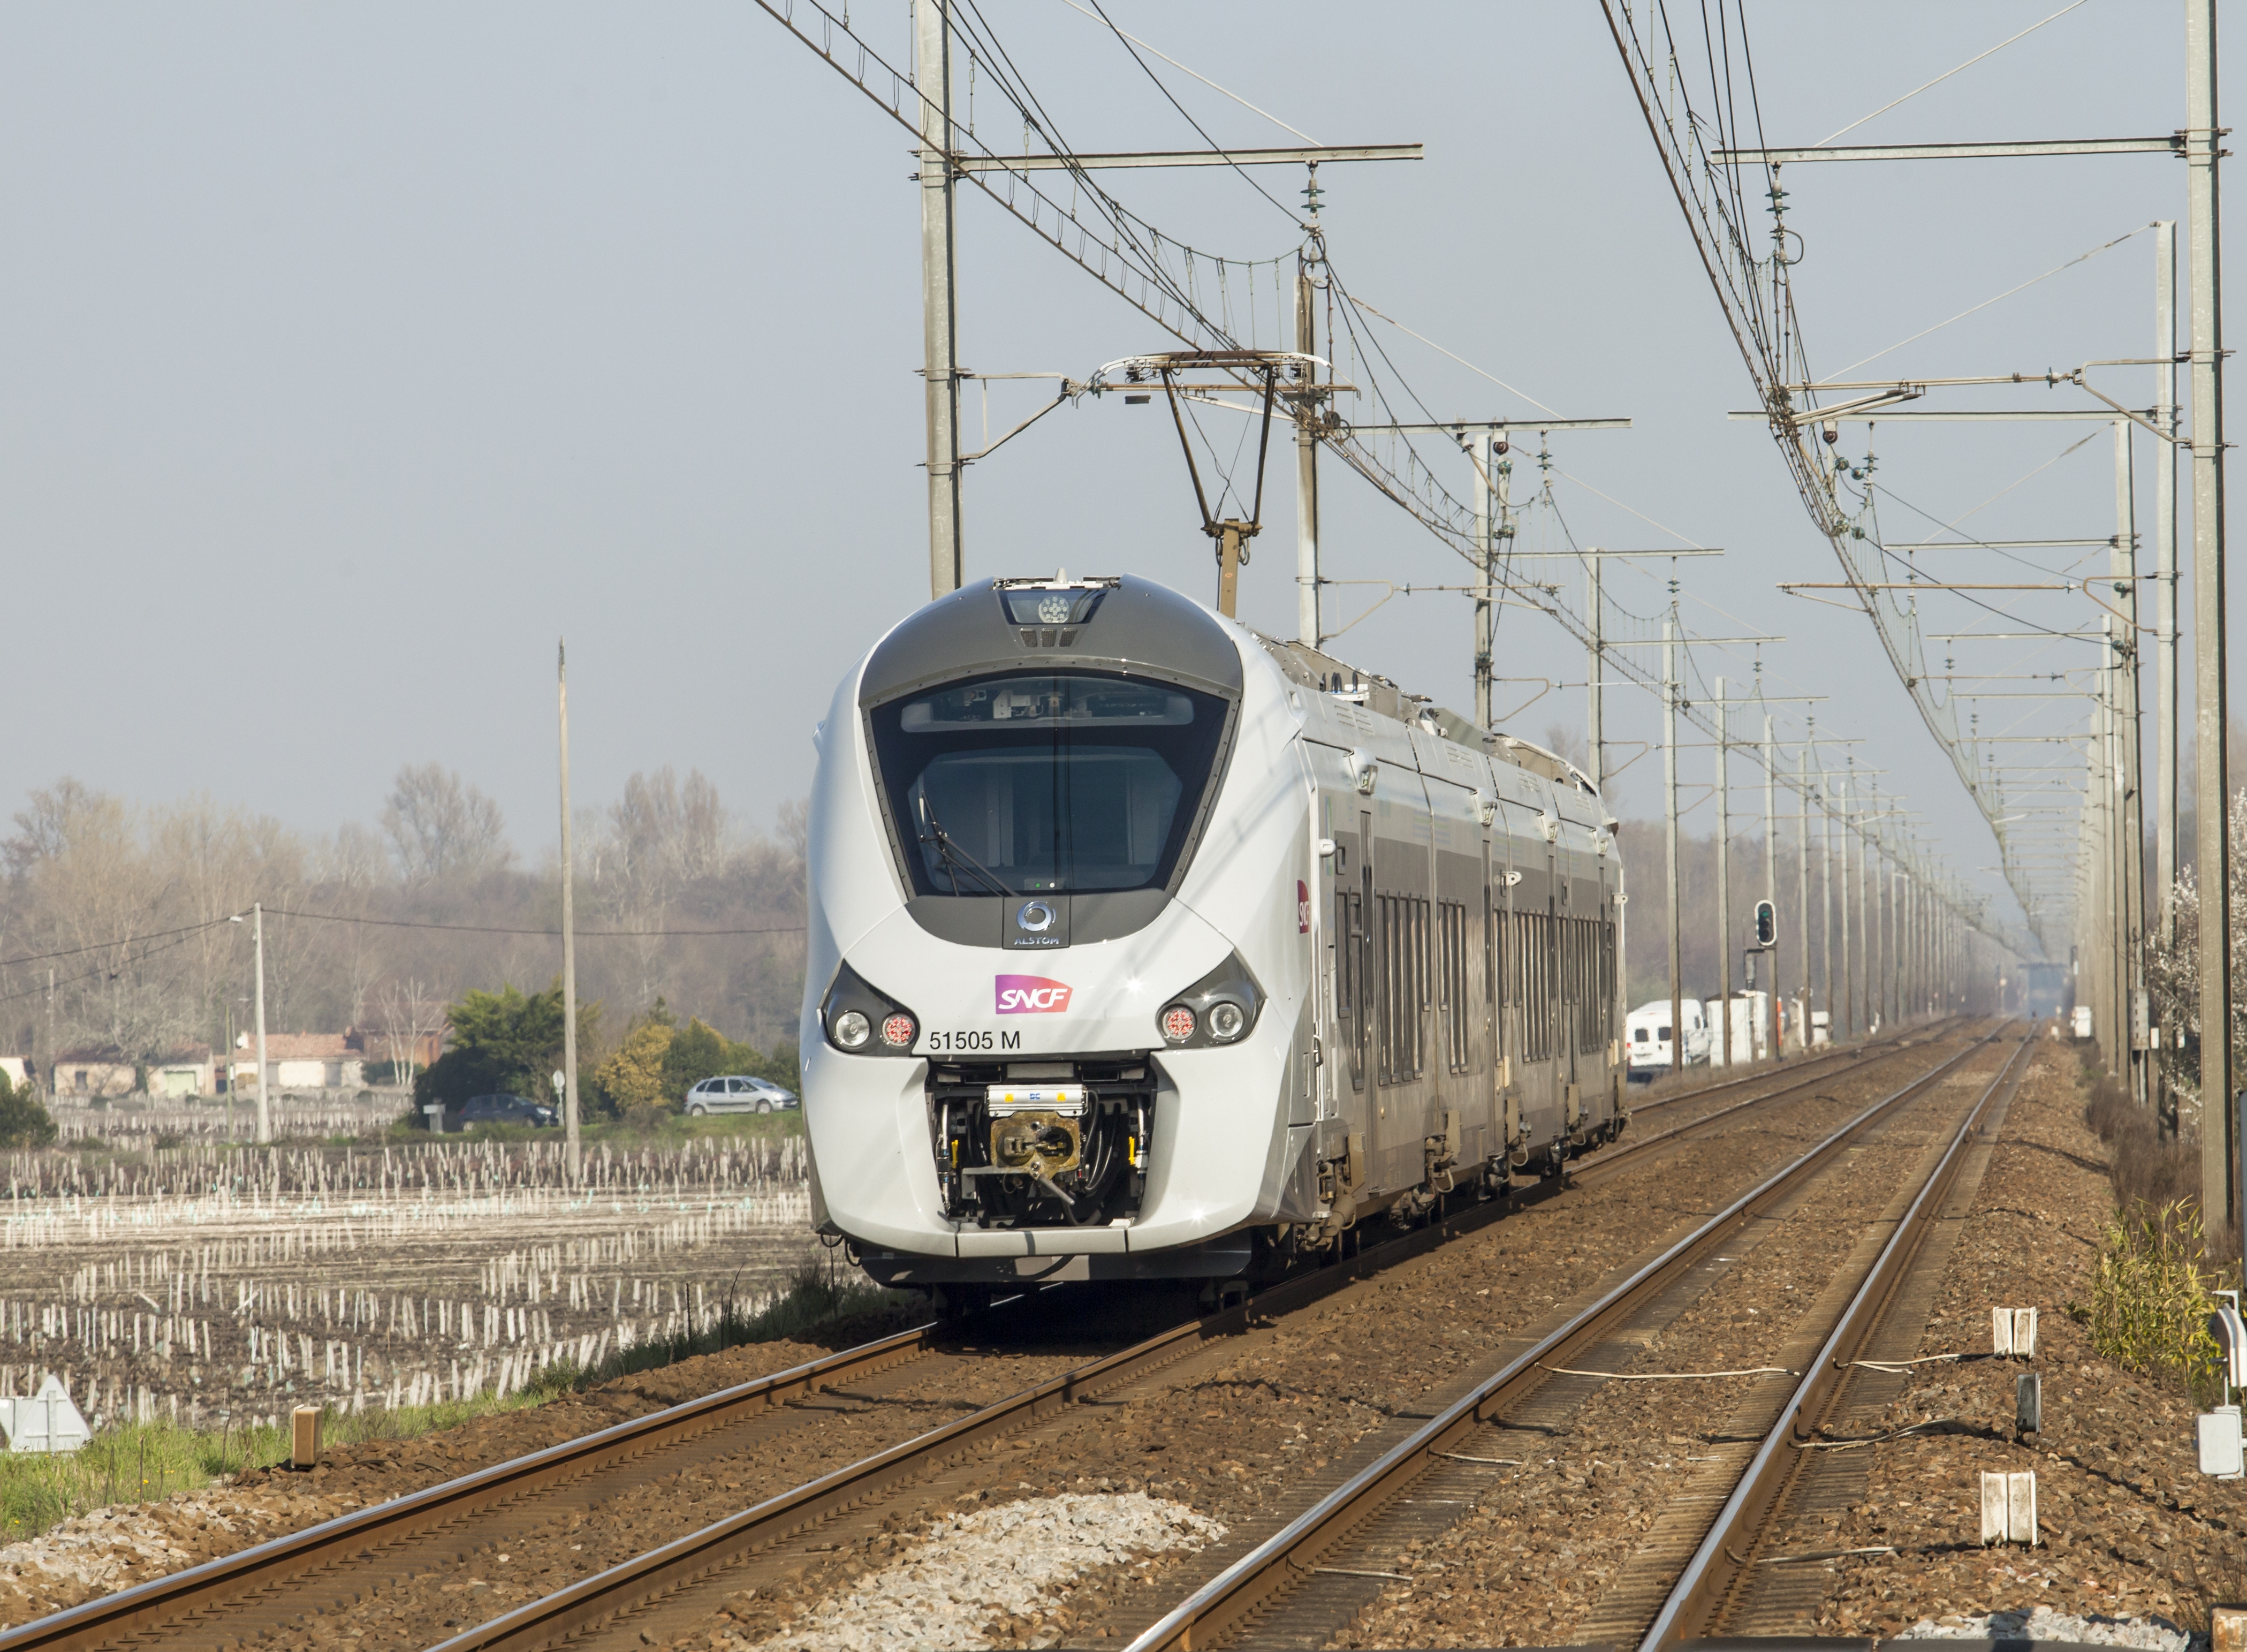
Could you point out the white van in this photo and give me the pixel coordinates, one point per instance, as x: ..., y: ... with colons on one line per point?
x: 1647, y: 1034
x: 1750, y: 1028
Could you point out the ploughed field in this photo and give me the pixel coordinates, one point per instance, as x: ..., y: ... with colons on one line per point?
x: 212, y: 1287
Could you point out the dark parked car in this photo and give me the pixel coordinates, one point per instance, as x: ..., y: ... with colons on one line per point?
x: 505, y: 1110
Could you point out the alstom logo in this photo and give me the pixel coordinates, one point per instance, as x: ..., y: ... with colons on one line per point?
x: 1031, y: 996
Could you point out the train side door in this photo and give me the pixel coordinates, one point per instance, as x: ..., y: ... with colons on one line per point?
x: 1564, y: 988
x: 1361, y: 939
x: 1608, y: 981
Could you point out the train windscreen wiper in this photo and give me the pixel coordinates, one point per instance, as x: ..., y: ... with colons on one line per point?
x: 952, y: 856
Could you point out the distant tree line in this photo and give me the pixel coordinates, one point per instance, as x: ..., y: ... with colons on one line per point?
x: 386, y: 926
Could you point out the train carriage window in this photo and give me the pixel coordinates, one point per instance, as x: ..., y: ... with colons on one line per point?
x: 1587, y: 1007
x: 1384, y: 974
x: 1400, y: 984
x: 1452, y: 976
x: 1493, y: 988
x: 1542, y: 964
x: 1526, y: 952
x: 1418, y: 1021
x: 1350, y: 938
x: 1055, y: 781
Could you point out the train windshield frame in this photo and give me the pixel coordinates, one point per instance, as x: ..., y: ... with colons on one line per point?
x: 1053, y: 781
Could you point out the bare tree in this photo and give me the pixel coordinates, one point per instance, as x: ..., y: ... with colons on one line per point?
x: 441, y: 827
x: 795, y: 826
x: 411, y: 1009
x: 135, y: 903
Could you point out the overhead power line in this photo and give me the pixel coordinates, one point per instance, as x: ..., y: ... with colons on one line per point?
x: 555, y: 934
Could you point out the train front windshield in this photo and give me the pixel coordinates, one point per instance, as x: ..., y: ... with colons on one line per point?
x: 1053, y: 780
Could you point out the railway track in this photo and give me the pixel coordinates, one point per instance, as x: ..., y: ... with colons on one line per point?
x: 1790, y: 1080
x: 1251, y: 1587
x: 266, y: 1588
x: 1718, y: 1577
x: 1839, y: 1059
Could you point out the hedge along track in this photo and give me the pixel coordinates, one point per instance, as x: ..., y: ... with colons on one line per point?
x: 355, y: 1552
x: 1229, y: 1601
x: 1716, y: 1577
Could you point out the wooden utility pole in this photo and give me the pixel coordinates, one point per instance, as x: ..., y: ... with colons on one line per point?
x: 571, y: 1151
x: 940, y: 270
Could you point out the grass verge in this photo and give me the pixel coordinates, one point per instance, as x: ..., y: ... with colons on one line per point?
x: 138, y: 1462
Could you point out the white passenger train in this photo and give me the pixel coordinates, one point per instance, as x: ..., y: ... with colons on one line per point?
x: 1143, y: 945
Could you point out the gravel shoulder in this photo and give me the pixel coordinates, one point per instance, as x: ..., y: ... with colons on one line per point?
x: 1250, y: 1432
x: 115, y: 1547
x: 2130, y: 1526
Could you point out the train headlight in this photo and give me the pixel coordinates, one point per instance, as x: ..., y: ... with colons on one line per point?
x: 1219, y: 1008
x: 861, y: 1020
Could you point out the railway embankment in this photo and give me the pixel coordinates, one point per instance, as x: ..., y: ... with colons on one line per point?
x: 1565, y: 1521
x: 1256, y: 1430
x: 2127, y: 1525
x: 132, y: 1541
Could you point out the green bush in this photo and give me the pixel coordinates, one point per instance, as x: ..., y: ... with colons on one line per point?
x: 2150, y: 1299
x: 24, y: 1121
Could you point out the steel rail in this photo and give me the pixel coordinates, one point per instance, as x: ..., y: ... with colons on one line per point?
x: 1226, y: 1602
x: 1727, y: 1552
x: 554, y: 1617
x: 1840, y: 1056
x: 165, y: 1600
x: 210, y: 1585
x: 1613, y: 1161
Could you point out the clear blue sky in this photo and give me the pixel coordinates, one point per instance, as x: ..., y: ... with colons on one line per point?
x: 350, y: 354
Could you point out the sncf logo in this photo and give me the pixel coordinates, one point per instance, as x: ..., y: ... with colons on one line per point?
x: 1031, y: 996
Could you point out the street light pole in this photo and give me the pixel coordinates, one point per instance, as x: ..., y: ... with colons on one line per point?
x: 257, y: 942
x: 571, y: 1150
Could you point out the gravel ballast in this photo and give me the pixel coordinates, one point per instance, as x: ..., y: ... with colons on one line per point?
x: 1014, y: 1562
x: 2154, y: 1634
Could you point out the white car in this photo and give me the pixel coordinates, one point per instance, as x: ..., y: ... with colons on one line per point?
x: 736, y: 1094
